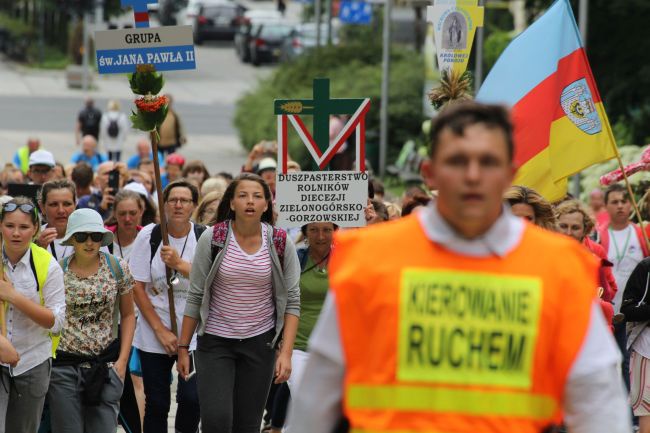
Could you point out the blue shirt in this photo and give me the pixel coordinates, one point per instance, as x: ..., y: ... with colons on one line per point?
x: 93, y: 161
x: 134, y: 161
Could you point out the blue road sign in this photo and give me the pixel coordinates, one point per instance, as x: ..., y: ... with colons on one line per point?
x: 166, y: 48
x: 355, y: 12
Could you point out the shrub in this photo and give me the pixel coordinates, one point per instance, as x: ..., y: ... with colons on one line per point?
x: 354, y: 72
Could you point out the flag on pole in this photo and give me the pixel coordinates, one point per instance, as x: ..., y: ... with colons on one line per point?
x: 560, y: 123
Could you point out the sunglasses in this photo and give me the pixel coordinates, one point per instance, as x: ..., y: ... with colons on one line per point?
x: 81, y: 237
x: 25, y: 208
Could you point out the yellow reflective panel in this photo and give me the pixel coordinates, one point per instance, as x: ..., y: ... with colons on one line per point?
x: 467, y: 328
x: 445, y: 400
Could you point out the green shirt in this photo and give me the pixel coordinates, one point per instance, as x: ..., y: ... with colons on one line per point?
x: 313, y: 288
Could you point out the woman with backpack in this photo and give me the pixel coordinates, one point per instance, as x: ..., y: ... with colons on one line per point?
x: 32, y: 294
x: 156, y: 343
x: 244, y: 298
x: 90, y: 365
x: 113, y: 129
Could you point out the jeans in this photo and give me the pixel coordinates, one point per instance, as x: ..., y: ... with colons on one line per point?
x: 235, y: 379
x: 156, y: 371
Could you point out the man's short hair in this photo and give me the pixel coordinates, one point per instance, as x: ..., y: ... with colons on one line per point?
x: 462, y: 115
x: 82, y: 175
x: 616, y: 187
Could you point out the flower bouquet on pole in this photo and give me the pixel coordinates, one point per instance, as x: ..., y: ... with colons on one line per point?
x: 150, y: 113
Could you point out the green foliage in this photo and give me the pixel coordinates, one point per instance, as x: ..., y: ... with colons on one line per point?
x: 494, y: 46
x: 146, y: 83
x: 53, y: 58
x: 354, y: 72
x: 17, y: 28
x: 145, y: 121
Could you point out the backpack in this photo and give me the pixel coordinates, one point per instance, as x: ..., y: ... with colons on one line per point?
x: 113, y: 128
x: 156, y: 237
x: 220, y: 232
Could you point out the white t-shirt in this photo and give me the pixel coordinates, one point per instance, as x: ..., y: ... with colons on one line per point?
x: 625, y: 253
x: 152, y: 273
x: 123, y: 252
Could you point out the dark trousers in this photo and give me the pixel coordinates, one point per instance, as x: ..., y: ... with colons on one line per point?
x: 114, y: 156
x: 280, y: 406
x: 168, y: 150
x: 129, y: 413
x: 156, y: 371
x: 235, y: 376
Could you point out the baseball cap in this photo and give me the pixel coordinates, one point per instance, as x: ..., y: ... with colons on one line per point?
x: 266, y: 164
x: 137, y: 187
x: 42, y: 157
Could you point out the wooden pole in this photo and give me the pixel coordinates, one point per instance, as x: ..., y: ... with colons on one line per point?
x: 163, y: 229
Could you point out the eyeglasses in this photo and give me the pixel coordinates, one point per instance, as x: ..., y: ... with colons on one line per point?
x: 183, y: 201
x: 44, y: 170
x: 81, y: 237
x: 25, y: 207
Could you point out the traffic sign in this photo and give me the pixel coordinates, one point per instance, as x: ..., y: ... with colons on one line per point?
x: 355, y: 12
x: 166, y: 48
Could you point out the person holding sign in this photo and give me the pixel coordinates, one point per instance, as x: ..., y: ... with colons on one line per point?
x: 245, y: 299
x: 455, y: 318
x: 31, y: 291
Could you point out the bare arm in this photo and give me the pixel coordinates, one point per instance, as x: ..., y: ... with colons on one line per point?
x: 283, y: 363
x: 187, y: 331
x: 164, y: 335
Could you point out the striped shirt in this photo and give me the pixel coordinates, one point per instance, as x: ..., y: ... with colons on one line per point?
x: 241, y: 305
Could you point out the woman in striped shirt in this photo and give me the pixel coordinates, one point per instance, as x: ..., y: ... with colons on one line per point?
x: 245, y: 300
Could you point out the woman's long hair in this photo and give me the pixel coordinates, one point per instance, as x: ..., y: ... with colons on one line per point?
x: 544, y: 213
x: 224, y: 212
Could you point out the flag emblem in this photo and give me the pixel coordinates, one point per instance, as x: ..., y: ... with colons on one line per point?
x: 578, y: 104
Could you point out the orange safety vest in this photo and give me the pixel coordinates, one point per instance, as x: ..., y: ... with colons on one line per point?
x: 439, y: 342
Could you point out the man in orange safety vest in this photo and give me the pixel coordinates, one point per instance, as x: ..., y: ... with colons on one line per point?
x: 462, y: 318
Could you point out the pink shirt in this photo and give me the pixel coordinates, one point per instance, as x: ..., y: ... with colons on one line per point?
x: 241, y: 305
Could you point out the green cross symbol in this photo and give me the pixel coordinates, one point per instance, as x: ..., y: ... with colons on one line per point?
x: 321, y: 107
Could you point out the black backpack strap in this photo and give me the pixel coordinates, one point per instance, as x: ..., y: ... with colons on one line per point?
x: 198, y: 230
x: 33, y: 266
x: 155, y: 240
x: 110, y: 248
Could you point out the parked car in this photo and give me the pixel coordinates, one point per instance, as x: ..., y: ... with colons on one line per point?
x: 219, y: 21
x: 303, y: 38
x: 186, y: 13
x: 252, y: 20
x: 266, y: 43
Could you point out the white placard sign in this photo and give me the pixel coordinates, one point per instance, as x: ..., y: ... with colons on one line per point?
x: 339, y: 197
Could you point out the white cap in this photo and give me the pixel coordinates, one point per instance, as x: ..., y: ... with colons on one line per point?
x: 266, y: 164
x: 41, y: 157
x: 137, y: 187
